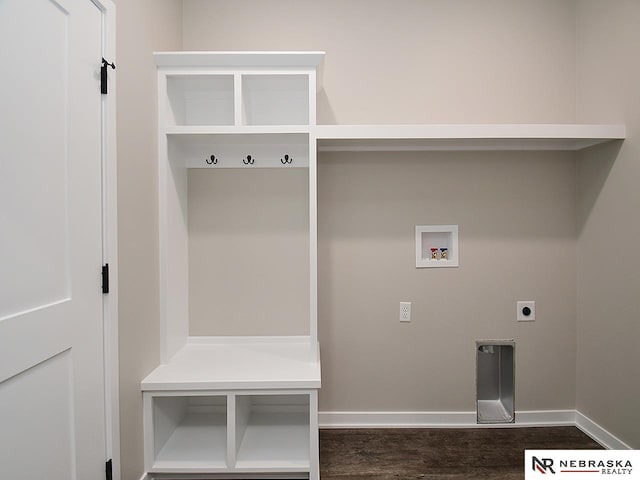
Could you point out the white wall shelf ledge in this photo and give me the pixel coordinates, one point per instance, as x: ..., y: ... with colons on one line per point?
x: 282, y: 59
x: 472, y: 137
x: 238, y: 363
x: 181, y: 130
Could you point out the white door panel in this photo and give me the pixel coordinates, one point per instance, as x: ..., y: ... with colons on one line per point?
x: 46, y: 398
x: 34, y: 156
x: 51, y: 327
x: 31, y: 338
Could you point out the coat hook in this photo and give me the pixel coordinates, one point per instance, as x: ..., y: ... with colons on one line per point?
x: 249, y: 160
x: 212, y: 160
x: 286, y: 159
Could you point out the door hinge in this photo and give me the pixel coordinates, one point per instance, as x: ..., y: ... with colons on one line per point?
x: 103, y: 75
x: 109, y: 470
x: 105, y: 278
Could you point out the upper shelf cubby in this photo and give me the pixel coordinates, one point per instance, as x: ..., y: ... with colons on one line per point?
x: 200, y: 99
x: 440, y: 137
x: 275, y: 99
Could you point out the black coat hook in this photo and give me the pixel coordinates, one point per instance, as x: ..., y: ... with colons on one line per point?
x: 249, y: 160
x: 212, y: 160
x: 286, y: 159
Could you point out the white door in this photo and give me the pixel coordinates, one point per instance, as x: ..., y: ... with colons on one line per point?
x: 52, y: 414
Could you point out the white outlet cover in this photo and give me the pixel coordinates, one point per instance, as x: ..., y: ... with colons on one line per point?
x: 521, y: 317
x: 405, y: 311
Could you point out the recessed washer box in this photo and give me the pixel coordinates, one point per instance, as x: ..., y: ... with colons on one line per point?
x: 437, y: 246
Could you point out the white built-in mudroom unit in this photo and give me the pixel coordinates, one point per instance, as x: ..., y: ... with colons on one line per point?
x: 237, y: 388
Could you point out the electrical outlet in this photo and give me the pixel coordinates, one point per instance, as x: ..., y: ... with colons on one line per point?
x: 405, y: 311
x: 526, y: 311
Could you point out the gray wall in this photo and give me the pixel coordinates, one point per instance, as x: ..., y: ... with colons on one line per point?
x: 608, y: 382
x: 516, y: 225
x: 430, y: 61
x: 249, y: 251
x: 412, y: 61
x: 142, y: 27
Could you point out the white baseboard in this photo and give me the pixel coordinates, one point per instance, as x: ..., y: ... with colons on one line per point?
x: 224, y: 476
x: 395, y: 419
x: 440, y: 419
x: 545, y: 418
x: 599, y: 434
x: 532, y: 418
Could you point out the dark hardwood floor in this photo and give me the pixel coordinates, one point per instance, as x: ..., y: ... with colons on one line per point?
x: 451, y: 454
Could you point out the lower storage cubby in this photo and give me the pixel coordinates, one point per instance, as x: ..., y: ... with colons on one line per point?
x: 272, y: 432
x: 231, y: 432
x: 190, y: 431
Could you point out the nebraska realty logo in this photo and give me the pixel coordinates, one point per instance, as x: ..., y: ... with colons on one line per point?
x: 582, y: 464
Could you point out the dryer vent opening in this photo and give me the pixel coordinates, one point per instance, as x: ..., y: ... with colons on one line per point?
x: 495, y: 381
